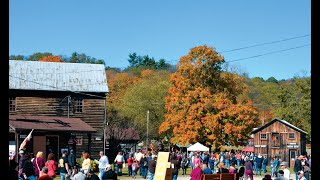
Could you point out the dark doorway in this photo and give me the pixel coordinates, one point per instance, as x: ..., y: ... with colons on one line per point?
x: 292, y: 157
x: 52, y: 145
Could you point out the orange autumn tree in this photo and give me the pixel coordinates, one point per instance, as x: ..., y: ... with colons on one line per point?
x: 117, y: 83
x: 202, y: 105
x: 51, y: 59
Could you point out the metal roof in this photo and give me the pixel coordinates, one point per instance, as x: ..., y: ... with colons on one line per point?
x: 56, y: 76
x: 280, y: 120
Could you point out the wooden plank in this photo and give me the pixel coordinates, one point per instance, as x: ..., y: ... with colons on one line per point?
x: 228, y: 176
x: 210, y: 176
x: 162, y: 167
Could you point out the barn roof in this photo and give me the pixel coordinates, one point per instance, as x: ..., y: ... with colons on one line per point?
x: 281, y: 121
x: 57, y: 76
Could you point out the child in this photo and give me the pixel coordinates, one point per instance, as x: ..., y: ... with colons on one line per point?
x: 135, y: 167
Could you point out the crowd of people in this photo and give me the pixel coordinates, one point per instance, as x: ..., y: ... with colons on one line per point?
x: 243, y: 164
x: 41, y: 168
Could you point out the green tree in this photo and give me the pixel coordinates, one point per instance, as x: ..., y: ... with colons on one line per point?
x: 139, y: 63
x: 16, y: 57
x: 83, y: 58
x: 146, y: 94
x: 294, y: 103
x: 272, y: 80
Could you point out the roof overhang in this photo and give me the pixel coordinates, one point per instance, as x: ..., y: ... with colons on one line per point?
x: 49, y: 123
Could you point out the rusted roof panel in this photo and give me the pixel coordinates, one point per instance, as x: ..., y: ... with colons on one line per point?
x: 56, y: 76
x: 48, y: 123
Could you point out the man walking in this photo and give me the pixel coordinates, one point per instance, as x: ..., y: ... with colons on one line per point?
x: 175, y: 165
x: 72, y: 161
x: 297, y: 165
x: 103, y: 162
x: 152, y: 167
x: 64, y: 166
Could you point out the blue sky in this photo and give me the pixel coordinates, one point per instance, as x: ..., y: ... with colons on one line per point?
x: 110, y: 30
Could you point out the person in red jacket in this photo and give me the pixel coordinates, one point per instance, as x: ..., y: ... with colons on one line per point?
x: 130, y: 161
x: 51, y: 165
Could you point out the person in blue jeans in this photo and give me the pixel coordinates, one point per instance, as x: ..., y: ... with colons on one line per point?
x: 175, y: 165
x: 259, y: 161
x: 64, y: 166
x: 264, y: 164
x: 151, y: 167
x: 212, y: 163
x: 144, y: 166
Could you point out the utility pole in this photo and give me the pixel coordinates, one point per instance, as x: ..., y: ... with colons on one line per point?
x: 69, y: 99
x: 104, y: 127
x: 147, y: 129
x: 264, y: 116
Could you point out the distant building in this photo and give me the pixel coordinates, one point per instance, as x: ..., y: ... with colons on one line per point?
x: 280, y: 138
x: 63, y: 102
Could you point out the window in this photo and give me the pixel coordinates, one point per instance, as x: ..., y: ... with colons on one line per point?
x: 78, y: 140
x: 12, y: 103
x: 78, y: 105
x: 291, y: 135
x: 263, y: 136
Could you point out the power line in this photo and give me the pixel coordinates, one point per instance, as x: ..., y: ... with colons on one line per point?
x: 262, y: 44
x: 268, y: 53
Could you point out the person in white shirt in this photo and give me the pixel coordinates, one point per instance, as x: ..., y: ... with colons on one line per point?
x: 139, y: 155
x: 286, y: 171
x: 119, y: 160
x: 103, y: 162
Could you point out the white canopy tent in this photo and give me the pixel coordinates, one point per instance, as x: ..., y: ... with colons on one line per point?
x: 197, y: 147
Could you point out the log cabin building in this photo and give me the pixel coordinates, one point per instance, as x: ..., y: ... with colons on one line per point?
x: 63, y: 102
x: 279, y: 138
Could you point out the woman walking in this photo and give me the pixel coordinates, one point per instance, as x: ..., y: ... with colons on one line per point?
x: 249, y: 168
x: 38, y: 163
x: 51, y: 165
x: 86, y: 162
x: 184, y: 164
x: 120, y: 162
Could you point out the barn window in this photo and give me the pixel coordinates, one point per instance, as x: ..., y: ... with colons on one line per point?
x: 291, y: 135
x: 263, y: 136
x: 12, y: 103
x: 78, y: 105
